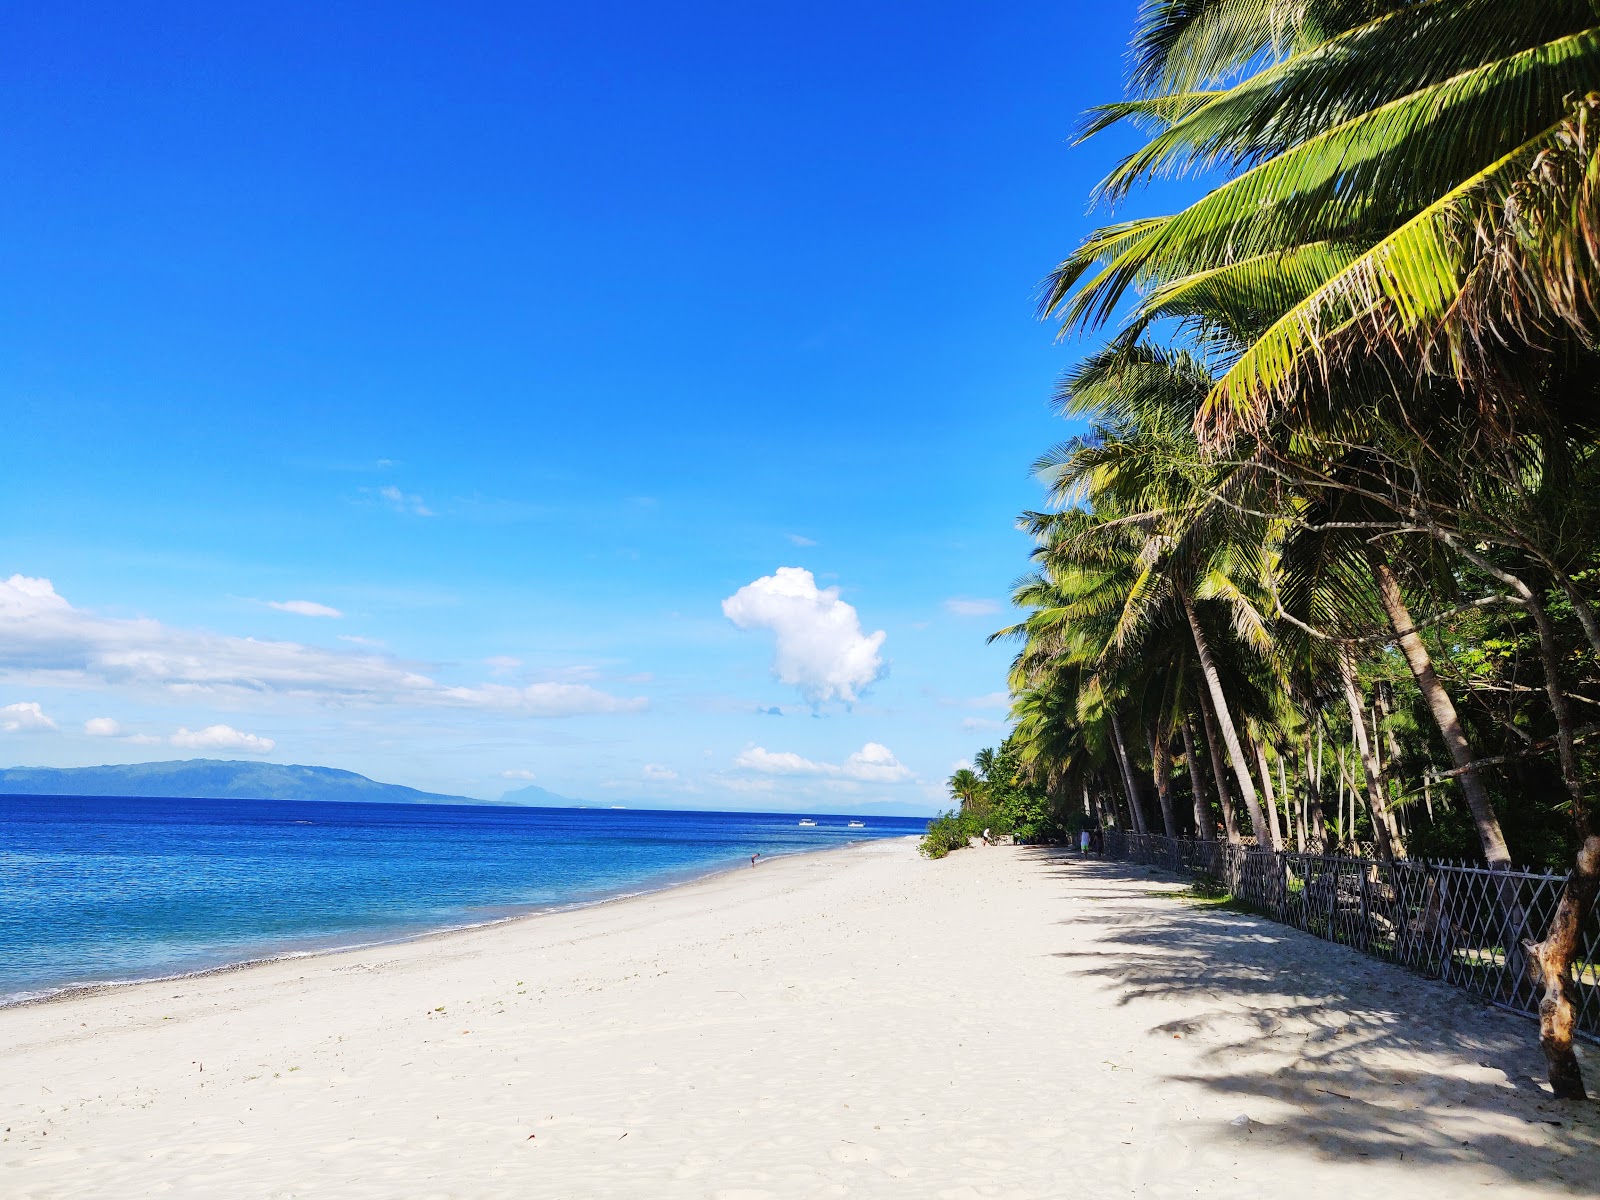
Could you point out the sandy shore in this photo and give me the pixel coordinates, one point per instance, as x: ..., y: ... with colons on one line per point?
x: 1006, y: 1023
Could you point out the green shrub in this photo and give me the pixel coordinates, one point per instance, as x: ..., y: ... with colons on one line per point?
x: 946, y: 832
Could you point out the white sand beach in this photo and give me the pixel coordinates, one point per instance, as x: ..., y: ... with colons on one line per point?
x: 1008, y: 1022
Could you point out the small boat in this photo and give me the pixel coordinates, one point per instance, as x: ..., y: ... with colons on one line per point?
x: 857, y: 825
x: 808, y: 821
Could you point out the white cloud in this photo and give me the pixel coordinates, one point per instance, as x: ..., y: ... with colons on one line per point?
x: 800, y: 540
x: 502, y: 664
x: 222, y: 737
x: 405, y: 502
x: 25, y: 717
x: 304, y: 608
x: 102, y: 727
x: 656, y: 773
x: 992, y: 700
x: 782, y: 762
x: 873, y: 763
x: 142, y: 739
x: 45, y: 638
x: 543, y: 699
x: 518, y: 773
x: 971, y: 724
x: 821, y: 649
x: 963, y: 607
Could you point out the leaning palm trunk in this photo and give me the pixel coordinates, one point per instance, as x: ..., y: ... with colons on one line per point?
x: 1549, y: 964
x: 1388, y: 839
x: 1230, y: 735
x: 1272, y: 800
x: 1130, y: 781
x: 1219, y: 773
x: 1205, y: 825
x: 1444, y: 715
x: 1161, y: 768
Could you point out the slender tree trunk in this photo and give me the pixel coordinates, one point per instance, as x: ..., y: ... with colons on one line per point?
x: 1205, y: 825
x: 1130, y: 781
x: 1561, y: 707
x: 1316, y: 814
x: 1443, y: 710
x: 1230, y: 735
x: 1389, y: 845
x: 1271, y: 797
x: 1219, y: 773
x: 1294, y: 807
x: 1549, y: 963
x: 1390, y: 818
x: 1161, y: 768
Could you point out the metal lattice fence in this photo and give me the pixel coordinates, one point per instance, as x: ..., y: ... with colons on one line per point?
x: 1463, y: 925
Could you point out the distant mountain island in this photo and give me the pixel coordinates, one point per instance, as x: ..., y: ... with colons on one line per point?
x: 221, y: 779
x: 538, y: 797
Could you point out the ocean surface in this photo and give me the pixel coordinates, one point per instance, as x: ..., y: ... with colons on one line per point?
x: 99, y: 890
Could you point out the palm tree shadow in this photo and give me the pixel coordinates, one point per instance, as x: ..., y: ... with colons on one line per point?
x: 1335, y: 1055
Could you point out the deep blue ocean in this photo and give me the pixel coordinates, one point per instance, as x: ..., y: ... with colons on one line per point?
x: 99, y: 890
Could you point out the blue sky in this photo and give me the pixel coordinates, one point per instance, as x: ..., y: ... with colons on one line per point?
x: 526, y: 339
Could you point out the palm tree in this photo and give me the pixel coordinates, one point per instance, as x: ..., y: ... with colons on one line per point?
x: 1408, y: 199
x: 965, y: 786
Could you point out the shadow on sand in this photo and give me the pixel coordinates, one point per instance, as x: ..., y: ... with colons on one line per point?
x: 1363, y: 1059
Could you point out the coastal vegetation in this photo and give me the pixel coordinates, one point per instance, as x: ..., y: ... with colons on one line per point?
x: 1321, y: 574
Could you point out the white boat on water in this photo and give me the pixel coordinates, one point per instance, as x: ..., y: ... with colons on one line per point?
x: 808, y: 821
x: 857, y: 825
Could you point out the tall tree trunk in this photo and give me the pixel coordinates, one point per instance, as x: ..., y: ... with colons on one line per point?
x: 1388, y: 843
x: 1205, y: 825
x: 1219, y: 773
x: 1549, y: 963
x: 1560, y: 707
x: 1318, y: 833
x: 1161, y: 768
x: 1230, y: 735
x: 1130, y: 781
x: 1444, y: 715
x: 1271, y: 798
x: 1294, y: 807
x: 1390, y: 817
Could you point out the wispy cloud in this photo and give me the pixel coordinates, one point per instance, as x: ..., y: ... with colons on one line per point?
x: 873, y: 763
x: 963, y: 606
x: 800, y: 539
x: 304, y: 608
x: 518, y: 773
x: 404, y: 502
x: 102, y: 727
x: 45, y: 638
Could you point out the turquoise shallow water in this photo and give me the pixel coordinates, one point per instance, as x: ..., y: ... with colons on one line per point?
x: 98, y: 890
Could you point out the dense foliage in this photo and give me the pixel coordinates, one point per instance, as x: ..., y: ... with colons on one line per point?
x: 1323, y: 570
x: 1001, y: 795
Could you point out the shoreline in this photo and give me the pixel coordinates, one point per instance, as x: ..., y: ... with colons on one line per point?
x: 1007, y: 1021
x: 74, y: 991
